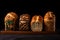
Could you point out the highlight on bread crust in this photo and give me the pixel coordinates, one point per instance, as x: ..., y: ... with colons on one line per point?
x: 49, y: 21
x: 10, y: 20
x: 37, y: 23
x: 24, y: 22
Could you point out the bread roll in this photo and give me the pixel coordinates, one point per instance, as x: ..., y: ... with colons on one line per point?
x: 37, y: 23
x: 49, y: 21
x: 24, y: 22
x: 10, y: 20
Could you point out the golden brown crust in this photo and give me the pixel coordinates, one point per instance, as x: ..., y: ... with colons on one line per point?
x: 34, y: 18
x: 13, y: 16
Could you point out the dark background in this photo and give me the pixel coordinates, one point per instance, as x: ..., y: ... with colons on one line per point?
x: 31, y: 7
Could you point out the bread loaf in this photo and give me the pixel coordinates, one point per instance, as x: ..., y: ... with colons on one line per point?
x: 37, y: 23
x: 49, y: 21
x: 24, y: 22
x: 10, y: 20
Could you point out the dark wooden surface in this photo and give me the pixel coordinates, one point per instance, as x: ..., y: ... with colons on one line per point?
x: 26, y: 32
x: 28, y: 35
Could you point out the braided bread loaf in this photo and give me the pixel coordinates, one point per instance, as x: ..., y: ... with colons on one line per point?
x: 24, y: 22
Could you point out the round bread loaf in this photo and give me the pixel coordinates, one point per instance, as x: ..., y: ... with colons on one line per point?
x: 10, y: 20
x: 37, y: 23
x: 49, y: 21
